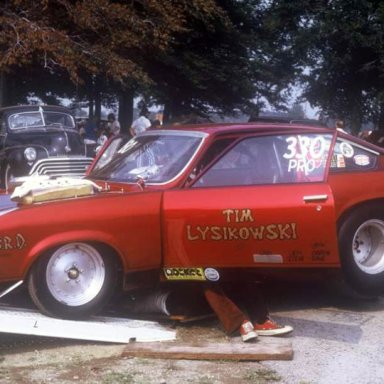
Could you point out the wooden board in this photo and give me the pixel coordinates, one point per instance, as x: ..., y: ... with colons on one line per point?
x: 262, y: 349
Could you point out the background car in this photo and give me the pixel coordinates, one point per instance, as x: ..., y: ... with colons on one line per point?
x: 39, y: 140
x: 202, y: 203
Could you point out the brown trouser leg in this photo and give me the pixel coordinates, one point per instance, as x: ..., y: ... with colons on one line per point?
x: 229, y: 314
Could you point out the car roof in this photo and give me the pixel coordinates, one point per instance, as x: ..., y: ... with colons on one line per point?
x: 287, y: 120
x: 26, y: 108
x: 218, y: 129
x: 259, y: 127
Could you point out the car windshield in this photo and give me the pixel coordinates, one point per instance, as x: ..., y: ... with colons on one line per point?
x: 110, y: 151
x: 155, y: 157
x: 40, y: 119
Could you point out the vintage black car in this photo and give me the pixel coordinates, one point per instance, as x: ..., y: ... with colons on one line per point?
x: 39, y: 140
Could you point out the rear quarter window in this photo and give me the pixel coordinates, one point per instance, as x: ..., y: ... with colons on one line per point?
x: 350, y: 157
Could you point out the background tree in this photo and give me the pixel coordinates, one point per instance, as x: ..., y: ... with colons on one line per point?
x: 338, y: 47
x: 85, y: 39
x: 226, y: 67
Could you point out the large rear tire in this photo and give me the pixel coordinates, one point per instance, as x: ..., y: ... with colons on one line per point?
x: 73, y: 281
x: 361, y: 245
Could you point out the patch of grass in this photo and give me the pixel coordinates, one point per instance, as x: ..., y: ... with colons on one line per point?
x: 76, y: 361
x: 262, y: 376
x: 117, y: 378
x: 205, y: 380
x: 4, y: 372
x: 143, y: 361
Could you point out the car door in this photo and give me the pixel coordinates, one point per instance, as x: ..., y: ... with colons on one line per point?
x: 264, y: 202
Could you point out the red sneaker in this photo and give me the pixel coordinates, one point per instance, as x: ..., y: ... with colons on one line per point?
x: 270, y: 328
x: 247, y: 331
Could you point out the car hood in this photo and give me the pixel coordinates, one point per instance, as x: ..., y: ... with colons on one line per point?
x: 55, y: 141
x: 6, y: 204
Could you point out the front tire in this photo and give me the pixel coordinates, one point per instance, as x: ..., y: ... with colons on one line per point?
x: 361, y: 245
x: 73, y: 281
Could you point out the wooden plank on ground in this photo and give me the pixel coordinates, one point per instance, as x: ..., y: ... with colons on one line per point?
x: 263, y: 349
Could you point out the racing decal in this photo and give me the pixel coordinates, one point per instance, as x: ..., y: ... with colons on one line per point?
x: 319, y: 252
x: 346, y: 149
x: 184, y: 274
x: 257, y: 258
x: 211, y: 274
x: 272, y: 231
x: 305, y: 154
x: 362, y: 160
x: 296, y: 256
x: 340, y: 161
x: 12, y: 242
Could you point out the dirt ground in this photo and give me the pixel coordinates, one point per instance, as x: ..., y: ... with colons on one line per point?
x: 335, y: 339
x: 32, y: 359
x: 28, y: 359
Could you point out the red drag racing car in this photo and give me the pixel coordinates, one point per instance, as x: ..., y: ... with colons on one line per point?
x: 202, y: 203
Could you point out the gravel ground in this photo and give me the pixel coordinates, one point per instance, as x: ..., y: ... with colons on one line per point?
x: 336, y: 339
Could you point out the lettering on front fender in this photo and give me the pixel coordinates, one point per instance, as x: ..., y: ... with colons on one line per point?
x: 12, y: 242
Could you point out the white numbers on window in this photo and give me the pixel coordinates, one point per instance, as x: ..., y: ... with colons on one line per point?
x: 302, y: 147
x: 305, y: 153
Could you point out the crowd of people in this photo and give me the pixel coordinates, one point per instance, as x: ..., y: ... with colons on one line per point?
x: 98, y: 132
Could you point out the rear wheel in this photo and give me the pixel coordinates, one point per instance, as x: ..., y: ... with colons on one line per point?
x: 361, y: 244
x: 73, y: 281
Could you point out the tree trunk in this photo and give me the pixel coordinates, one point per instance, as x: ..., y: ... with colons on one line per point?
x: 126, y: 110
x: 166, y: 114
x: 3, y: 89
x: 380, y: 123
x: 356, y: 102
x: 356, y: 122
x: 97, y: 94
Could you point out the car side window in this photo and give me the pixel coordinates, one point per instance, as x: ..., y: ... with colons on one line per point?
x: 350, y: 157
x: 270, y: 160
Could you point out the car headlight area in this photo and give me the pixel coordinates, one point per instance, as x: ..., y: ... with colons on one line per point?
x: 30, y: 154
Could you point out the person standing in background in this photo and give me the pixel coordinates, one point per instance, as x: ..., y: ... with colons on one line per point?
x: 114, y: 125
x: 141, y: 124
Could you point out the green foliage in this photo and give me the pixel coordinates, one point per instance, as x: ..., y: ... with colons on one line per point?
x: 338, y: 45
x: 95, y: 37
x: 262, y: 376
x: 225, y: 66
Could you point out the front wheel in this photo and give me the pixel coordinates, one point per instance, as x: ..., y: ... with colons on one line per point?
x: 361, y: 244
x: 73, y: 281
